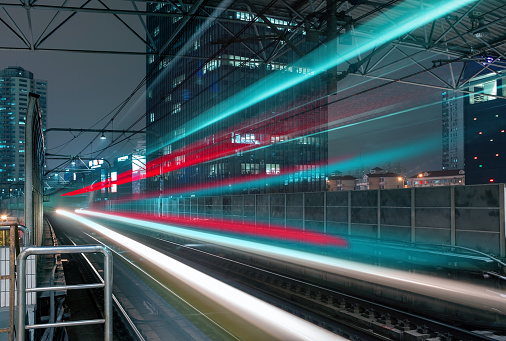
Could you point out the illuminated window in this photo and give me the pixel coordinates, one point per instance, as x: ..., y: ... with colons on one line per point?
x: 178, y: 80
x: 152, y: 117
x: 272, y: 168
x: 176, y: 108
x: 483, y: 92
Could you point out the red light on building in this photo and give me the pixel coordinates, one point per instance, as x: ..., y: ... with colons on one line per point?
x: 491, y: 180
x: 476, y: 158
x: 502, y: 131
x: 475, y: 118
x: 496, y: 154
x: 480, y: 133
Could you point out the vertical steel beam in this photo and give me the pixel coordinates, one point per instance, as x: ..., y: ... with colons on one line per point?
x: 413, y: 215
x: 378, y: 232
x: 29, y: 166
x: 325, y: 212
x: 452, y: 216
x: 303, y: 211
x: 349, y: 213
x: 502, y: 220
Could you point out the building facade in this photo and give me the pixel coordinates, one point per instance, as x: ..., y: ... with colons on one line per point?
x: 485, y: 126
x: 341, y: 183
x: 273, y: 140
x: 15, y: 85
x: 447, y: 177
x: 452, y: 130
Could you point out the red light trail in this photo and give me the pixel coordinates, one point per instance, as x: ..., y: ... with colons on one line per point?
x: 242, y: 228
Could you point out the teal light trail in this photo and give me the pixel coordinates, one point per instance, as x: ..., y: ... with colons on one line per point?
x: 402, y: 152
x: 321, y: 60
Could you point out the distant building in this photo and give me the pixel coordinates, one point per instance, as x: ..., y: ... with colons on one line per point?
x: 341, y: 183
x: 380, y: 181
x: 450, y: 177
x: 15, y: 85
x: 485, y: 126
x: 385, y: 181
x: 453, y: 130
x: 365, y: 182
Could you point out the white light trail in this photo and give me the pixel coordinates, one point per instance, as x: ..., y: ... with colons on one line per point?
x: 271, y: 320
x: 458, y: 292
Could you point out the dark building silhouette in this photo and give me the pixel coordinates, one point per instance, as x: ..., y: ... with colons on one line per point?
x: 484, y: 130
x: 187, y: 89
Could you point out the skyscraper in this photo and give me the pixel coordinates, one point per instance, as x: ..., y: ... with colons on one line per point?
x: 453, y: 130
x: 485, y: 126
x: 15, y: 85
x: 203, y: 68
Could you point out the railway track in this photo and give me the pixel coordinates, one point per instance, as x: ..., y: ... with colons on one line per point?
x: 144, y: 309
x: 347, y: 315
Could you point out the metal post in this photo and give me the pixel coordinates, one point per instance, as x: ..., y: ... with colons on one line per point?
x: 349, y: 213
x: 325, y: 212
x: 452, y: 216
x: 20, y: 323
x: 269, y: 208
x: 303, y: 211
x: 256, y: 208
x: 12, y: 278
x: 502, y: 220
x: 378, y: 235
x: 413, y: 216
x: 285, y: 210
x: 107, y: 293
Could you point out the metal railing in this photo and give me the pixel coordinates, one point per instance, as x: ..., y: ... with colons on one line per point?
x: 21, y: 326
x: 13, y: 251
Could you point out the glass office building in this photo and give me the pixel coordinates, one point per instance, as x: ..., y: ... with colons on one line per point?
x: 485, y: 130
x: 274, y: 145
x: 15, y: 85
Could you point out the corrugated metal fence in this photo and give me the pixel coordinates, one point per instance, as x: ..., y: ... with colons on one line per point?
x: 468, y: 216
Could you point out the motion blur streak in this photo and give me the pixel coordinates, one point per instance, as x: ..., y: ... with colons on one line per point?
x: 447, y: 290
x: 324, y: 58
x: 345, y: 164
x: 251, y: 229
x: 273, y: 321
x: 224, y: 145
x: 319, y: 61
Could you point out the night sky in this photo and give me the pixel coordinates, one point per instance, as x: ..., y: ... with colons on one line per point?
x: 85, y: 88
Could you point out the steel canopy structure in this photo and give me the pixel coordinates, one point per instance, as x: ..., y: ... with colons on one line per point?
x: 474, y: 33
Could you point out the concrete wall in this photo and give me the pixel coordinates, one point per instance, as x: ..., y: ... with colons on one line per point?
x: 468, y: 216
